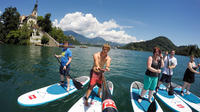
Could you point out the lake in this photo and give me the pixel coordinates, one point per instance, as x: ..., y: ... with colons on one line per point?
x: 26, y: 68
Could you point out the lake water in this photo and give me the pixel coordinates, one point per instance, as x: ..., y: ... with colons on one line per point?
x: 26, y: 68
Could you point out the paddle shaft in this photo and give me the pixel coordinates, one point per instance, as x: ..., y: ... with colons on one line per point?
x: 108, y: 104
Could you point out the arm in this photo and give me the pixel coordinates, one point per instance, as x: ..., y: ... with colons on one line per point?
x: 58, y: 56
x: 172, y: 66
x: 69, y: 61
x: 69, y: 56
x: 162, y: 63
x: 95, y: 57
x: 108, y: 64
x: 149, y: 62
x: 191, y: 69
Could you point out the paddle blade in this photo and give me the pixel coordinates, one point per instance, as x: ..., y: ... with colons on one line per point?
x: 152, y: 107
x: 77, y: 84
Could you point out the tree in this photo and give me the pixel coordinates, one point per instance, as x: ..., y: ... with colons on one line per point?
x: 1, y: 31
x: 46, y: 23
x: 10, y: 19
x: 59, y: 36
x: 44, y: 40
x: 40, y: 20
x: 20, y: 36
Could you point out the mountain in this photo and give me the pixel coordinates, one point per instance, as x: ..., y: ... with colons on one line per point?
x: 164, y: 44
x: 94, y: 41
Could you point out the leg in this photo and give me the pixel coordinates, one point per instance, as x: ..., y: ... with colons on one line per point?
x: 88, y: 94
x: 188, y: 88
x: 150, y: 95
x: 183, y: 88
x: 147, y: 83
x: 152, y: 87
x: 99, y: 92
x: 142, y: 95
x: 162, y: 79
x: 62, y: 79
x: 68, y: 83
x: 159, y: 83
x: 91, y: 86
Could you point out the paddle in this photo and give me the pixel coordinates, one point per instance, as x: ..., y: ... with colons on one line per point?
x: 171, y: 89
x: 152, y: 106
x: 108, y: 104
x: 77, y: 84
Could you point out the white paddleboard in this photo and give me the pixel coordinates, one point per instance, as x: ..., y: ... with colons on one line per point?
x: 95, y: 103
x: 173, y: 102
x: 49, y: 93
x: 135, y: 91
x: 192, y: 100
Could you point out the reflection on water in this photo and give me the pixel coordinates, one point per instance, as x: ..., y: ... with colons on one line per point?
x: 25, y: 68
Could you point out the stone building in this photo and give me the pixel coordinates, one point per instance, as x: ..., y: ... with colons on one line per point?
x: 31, y: 21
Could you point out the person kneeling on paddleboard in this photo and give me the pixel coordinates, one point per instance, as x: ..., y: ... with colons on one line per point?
x: 170, y: 62
x: 100, y: 59
x: 189, y: 76
x: 154, y: 64
x: 66, y: 58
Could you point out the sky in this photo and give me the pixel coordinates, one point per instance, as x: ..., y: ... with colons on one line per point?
x: 121, y: 21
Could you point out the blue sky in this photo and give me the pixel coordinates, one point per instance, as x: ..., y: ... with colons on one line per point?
x: 178, y: 20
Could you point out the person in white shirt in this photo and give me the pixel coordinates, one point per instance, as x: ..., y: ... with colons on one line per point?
x: 170, y: 63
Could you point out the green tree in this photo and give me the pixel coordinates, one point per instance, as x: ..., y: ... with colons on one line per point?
x: 40, y: 20
x: 46, y: 23
x: 44, y: 40
x: 20, y: 36
x: 10, y: 19
x: 59, y: 36
x: 1, y: 31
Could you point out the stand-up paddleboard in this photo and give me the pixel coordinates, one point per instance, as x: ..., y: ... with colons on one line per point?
x: 172, y: 101
x: 135, y: 90
x: 95, y: 103
x: 192, y: 100
x: 49, y: 93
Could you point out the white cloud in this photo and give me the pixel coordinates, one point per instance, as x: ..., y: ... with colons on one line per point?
x: 0, y: 12
x: 88, y: 25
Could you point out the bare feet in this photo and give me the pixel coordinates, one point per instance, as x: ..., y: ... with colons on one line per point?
x: 68, y: 89
x: 139, y: 100
x: 182, y: 93
x: 100, y: 96
x: 150, y: 100
x: 61, y: 83
x: 187, y: 93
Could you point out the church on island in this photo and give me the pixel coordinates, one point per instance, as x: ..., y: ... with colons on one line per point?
x: 37, y: 34
x: 31, y: 21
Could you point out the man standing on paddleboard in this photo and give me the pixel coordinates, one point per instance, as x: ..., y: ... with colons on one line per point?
x: 66, y: 58
x: 170, y: 63
x: 100, y: 59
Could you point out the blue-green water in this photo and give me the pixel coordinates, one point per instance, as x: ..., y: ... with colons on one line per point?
x: 26, y: 68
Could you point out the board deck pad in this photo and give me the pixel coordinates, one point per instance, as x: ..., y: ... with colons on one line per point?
x: 95, y: 103
x: 192, y: 100
x: 144, y: 105
x: 49, y: 93
x: 172, y: 101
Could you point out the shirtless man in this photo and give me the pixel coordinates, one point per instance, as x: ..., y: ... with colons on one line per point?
x: 100, y: 59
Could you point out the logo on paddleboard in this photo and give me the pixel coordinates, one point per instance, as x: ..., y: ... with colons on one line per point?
x: 32, y: 97
x: 108, y: 103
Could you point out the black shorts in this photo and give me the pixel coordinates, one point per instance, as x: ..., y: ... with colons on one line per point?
x: 64, y: 72
x: 190, y: 78
x: 166, y: 78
